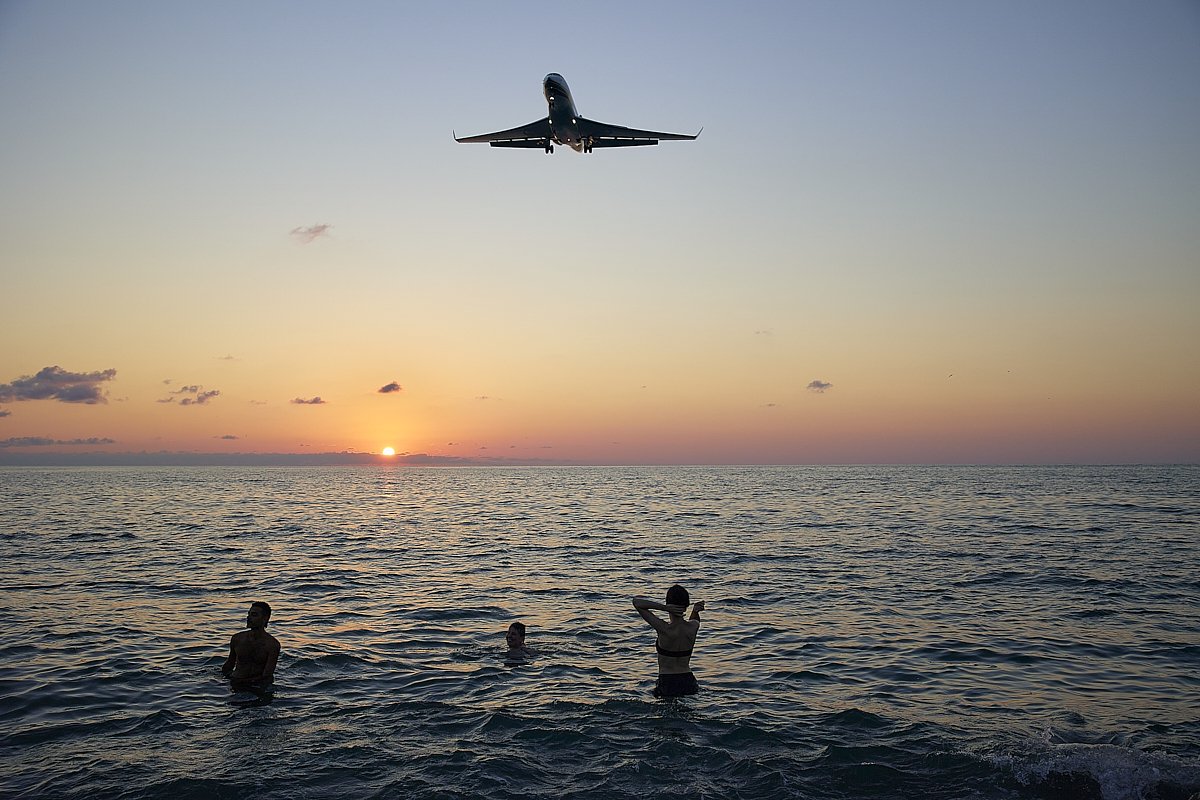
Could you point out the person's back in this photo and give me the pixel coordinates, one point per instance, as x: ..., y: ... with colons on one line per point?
x: 675, y: 641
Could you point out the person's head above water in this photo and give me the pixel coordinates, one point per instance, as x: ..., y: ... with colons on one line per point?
x: 515, y: 636
x: 677, y: 596
x: 260, y: 612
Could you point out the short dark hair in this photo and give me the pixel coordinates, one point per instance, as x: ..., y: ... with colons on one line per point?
x: 262, y: 606
x: 677, y: 596
x: 520, y: 626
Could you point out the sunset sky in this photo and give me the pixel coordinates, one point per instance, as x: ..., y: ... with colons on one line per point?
x: 925, y: 232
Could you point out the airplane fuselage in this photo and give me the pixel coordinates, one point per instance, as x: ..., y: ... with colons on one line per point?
x: 563, y: 118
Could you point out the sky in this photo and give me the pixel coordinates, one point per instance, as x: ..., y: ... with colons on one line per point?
x: 923, y: 232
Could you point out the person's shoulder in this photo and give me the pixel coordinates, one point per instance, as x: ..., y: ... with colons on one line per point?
x: 271, y: 640
x: 239, y: 636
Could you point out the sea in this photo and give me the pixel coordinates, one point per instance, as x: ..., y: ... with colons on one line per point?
x: 869, y: 632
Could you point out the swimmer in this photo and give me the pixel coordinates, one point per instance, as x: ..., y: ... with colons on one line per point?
x: 676, y: 639
x: 515, y: 637
x: 253, y: 653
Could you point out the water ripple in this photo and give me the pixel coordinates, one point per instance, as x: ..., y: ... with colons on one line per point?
x: 870, y: 632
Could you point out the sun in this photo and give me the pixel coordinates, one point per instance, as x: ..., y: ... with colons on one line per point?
x: 388, y: 451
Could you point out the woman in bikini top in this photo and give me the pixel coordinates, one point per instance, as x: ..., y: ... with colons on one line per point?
x: 675, y: 642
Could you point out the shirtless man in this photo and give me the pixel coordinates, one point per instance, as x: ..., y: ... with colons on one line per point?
x: 676, y: 638
x: 252, y: 653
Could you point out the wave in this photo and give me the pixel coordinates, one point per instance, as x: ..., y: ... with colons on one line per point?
x: 1100, y: 771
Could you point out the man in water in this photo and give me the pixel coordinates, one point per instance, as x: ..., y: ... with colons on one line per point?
x: 253, y: 653
x: 516, y: 641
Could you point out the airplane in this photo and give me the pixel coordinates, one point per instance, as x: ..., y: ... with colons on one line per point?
x: 564, y: 126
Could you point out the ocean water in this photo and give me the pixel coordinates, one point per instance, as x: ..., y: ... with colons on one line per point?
x: 870, y: 632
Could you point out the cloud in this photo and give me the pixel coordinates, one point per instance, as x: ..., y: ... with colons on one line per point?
x: 55, y: 383
x: 226, y: 358
x: 228, y: 436
x: 196, y: 395
x: 43, y: 441
x: 391, y: 387
x: 316, y: 401
x: 200, y: 399
x: 819, y: 386
x: 310, y: 233
x: 4, y: 413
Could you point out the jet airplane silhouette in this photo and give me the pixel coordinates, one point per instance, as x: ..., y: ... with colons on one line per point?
x: 563, y: 125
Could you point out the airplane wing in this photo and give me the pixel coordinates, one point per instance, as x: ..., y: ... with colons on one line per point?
x: 535, y: 134
x: 604, y: 135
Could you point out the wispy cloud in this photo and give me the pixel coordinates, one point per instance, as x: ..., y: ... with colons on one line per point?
x: 310, y: 233
x: 819, y: 386
x: 193, y: 395
x: 55, y: 383
x: 229, y: 437
x: 315, y: 401
x: 44, y: 441
x: 391, y: 387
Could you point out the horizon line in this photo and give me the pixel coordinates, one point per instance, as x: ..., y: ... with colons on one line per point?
x: 182, y: 458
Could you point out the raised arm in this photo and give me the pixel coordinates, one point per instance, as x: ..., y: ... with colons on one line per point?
x: 645, y: 603
x: 696, y: 609
x: 644, y: 606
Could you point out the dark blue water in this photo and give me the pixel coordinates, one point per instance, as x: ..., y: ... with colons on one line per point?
x: 876, y: 632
